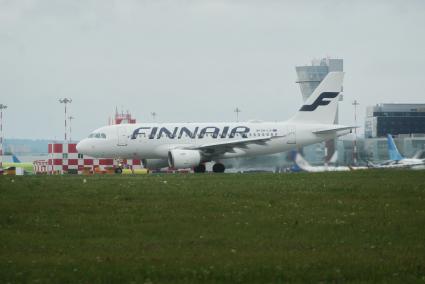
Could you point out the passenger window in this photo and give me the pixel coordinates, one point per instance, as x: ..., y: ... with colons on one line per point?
x: 97, y: 135
x: 103, y: 135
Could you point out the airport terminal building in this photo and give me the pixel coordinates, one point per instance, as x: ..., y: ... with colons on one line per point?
x: 395, y: 119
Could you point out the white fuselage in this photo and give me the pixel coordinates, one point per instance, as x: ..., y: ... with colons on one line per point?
x: 417, y: 164
x: 319, y: 169
x: 155, y: 140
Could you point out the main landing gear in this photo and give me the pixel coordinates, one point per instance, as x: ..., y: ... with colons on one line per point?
x: 199, y: 169
x: 218, y: 168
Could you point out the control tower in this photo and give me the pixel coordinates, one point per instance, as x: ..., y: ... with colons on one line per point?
x: 310, y: 76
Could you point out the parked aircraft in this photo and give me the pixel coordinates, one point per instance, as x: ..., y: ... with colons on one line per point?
x: 190, y: 145
x: 16, y: 163
x: 397, y: 160
x: 305, y: 166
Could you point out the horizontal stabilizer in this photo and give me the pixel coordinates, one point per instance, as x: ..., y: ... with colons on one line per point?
x: 334, y: 130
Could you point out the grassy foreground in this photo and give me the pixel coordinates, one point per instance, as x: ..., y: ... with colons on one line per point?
x: 331, y: 227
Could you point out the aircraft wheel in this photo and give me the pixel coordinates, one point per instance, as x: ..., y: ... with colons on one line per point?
x: 199, y: 169
x: 219, y: 168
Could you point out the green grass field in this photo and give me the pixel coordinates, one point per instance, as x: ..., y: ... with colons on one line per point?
x: 365, y: 226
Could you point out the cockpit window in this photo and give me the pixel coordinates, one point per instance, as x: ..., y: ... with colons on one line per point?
x: 98, y: 135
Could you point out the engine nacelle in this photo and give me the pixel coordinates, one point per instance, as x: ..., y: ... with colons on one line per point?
x: 183, y: 159
x: 153, y: 164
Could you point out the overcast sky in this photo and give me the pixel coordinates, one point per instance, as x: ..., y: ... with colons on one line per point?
x: 197, y: 60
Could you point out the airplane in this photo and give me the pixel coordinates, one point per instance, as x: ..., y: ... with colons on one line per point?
x: 191, y: 145
x: 305, y: 166
x: 397, y: 160
x: 16, y: 163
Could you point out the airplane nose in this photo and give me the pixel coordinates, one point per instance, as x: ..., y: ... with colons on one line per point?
x: 82, y: 147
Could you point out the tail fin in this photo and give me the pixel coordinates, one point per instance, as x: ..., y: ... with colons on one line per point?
x: 392, y: 149
x: 334, y: 158
x: 15, y: 159
x: 302, y: 163
x: 321, y: 106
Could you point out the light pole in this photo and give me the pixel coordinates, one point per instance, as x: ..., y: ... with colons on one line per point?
x: 154, y: 114
x: 70, y: 128
x: 355, y: 104
x: 65, y: 101
x: 2, y: 107
x: 237, y: 110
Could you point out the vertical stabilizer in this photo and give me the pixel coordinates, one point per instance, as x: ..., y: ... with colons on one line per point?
x: 15, y: 159
x: 334, y: 158
x: 302, y: 163
x: 322, y: 105
x: 392, y: 149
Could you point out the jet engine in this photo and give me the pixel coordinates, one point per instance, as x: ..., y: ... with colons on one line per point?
x: 154, y: 164
x: 182, y: 159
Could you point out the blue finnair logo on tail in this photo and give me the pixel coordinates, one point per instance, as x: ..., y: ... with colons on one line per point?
x: 320, y: 101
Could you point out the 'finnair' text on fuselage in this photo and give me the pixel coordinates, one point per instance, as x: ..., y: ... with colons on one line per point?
x: 197, y: 132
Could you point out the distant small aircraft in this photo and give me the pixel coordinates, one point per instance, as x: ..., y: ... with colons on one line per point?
x: 191, y: 145
x: 16, y: 163
x: 397, y: 160
x: 305, y: 166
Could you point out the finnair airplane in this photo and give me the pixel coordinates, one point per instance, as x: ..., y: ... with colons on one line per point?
x: 190, y: 145
x: 397, y: 160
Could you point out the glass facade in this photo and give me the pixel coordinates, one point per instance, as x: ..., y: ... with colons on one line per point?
x: 394, y: 119
x: 400, y: 125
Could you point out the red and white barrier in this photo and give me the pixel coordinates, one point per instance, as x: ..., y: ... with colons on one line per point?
x: 64, y: 158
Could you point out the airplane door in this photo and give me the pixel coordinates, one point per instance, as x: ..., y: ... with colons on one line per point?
x: 291, y: 134
x: 122, y: 135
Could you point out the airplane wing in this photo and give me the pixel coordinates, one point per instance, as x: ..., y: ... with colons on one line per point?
x: 229, y: 146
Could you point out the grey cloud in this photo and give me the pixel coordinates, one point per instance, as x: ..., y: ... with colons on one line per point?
x: 205, y: 56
